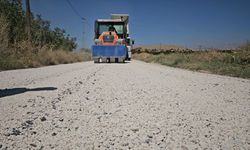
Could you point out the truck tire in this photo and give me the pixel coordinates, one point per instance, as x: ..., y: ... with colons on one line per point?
x: 96, y: 60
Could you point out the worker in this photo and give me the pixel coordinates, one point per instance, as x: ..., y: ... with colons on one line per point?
x: 112, y: 28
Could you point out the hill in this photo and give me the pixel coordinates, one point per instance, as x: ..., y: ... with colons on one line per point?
x: 159, y: 46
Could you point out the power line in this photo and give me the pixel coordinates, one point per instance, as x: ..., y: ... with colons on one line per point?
x: 75, y: 11
x: 82, y: 18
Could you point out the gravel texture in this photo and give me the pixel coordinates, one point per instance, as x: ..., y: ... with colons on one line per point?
x: 122, y: 106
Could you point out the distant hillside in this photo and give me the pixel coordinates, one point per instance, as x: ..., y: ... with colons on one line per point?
x: 165, y: 48
x: 159, y: 46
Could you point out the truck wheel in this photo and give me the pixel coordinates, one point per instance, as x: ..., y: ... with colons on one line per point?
x: 116, y: 60
x: 96, y: 60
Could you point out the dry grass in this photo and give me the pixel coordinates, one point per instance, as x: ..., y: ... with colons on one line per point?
x: 59, y: 57
x: 28, y: 56
x: 3, y: 33
x: 235, y: 63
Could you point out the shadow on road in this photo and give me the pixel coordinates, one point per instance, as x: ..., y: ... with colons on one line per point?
x: 126, y: 62
x: 14, y: 91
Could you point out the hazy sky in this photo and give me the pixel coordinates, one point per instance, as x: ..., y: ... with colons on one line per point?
x: 190, y: 23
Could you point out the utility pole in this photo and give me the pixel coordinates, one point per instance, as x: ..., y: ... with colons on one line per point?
x: 83, y: 38
x: 28, y: 20
x: 200, y: 47
x: 83, y: 32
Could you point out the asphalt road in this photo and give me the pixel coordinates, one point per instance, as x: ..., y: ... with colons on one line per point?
x: 134, y: 105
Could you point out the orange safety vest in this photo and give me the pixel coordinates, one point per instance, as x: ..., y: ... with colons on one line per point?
x: 108, y: 33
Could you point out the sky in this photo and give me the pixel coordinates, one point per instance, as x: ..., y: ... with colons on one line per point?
x: 188, y: 23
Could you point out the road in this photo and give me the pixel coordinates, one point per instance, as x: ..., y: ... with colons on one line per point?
x: 134, y: 105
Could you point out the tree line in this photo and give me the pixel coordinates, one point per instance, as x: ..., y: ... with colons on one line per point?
x: 13, y: 26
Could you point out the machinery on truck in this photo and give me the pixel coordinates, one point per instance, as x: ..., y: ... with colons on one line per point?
x: 112, y: 41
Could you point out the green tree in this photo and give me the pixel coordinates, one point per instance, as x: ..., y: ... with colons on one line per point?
x: 42, y: 34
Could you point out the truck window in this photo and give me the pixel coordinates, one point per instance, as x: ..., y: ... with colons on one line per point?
x: 105, y: 27
x: 119, y: 29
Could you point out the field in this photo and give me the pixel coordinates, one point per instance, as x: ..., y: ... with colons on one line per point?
x: 234, y: 63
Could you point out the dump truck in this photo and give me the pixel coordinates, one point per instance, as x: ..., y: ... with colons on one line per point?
x: 111, y: 40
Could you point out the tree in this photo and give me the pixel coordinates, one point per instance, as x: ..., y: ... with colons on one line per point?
x: 24, y: 24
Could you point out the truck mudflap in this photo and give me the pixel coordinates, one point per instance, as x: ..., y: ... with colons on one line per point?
x: 109, y: 51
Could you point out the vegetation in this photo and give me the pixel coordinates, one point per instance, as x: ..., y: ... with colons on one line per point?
x: 232, y: 63
x: 47, y: 46
x: 43, y: 58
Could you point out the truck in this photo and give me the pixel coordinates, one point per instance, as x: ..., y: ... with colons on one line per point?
x: 112, y: 42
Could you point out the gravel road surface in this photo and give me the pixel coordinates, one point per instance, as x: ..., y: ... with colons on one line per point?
x: 134, y: 105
